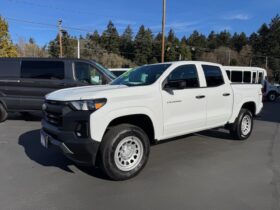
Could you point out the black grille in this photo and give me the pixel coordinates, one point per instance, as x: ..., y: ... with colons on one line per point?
x: 53, y: 111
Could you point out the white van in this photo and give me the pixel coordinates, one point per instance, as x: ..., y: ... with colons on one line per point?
x: 253, y: 75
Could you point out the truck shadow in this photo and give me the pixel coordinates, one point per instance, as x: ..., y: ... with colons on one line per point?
x: 52, y: 157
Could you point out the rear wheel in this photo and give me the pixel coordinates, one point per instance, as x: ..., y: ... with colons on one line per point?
x: 3, y: 113
x: 124, y: 151
x: 242, y: 128
x: 271, y: 96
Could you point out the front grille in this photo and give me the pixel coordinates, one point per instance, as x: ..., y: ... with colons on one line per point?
x: 53, y: 111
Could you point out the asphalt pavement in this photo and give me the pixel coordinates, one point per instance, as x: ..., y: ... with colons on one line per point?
x: 207, y: 170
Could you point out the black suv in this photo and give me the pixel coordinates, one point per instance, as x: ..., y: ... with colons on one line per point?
x: 25, y: 81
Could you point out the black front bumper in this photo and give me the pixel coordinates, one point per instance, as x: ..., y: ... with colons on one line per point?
x: 81, y: 149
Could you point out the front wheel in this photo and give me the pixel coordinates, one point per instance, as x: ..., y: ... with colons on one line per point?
x: 242, y: 128
x: 124, y: 151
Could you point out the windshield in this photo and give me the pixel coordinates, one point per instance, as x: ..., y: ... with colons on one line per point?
x: 106, y: 71
x: 141, y: 76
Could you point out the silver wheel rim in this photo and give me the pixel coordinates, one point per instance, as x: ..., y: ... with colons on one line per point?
x: 272, y: 97
x: 128, y: 153
x: 246, y: 125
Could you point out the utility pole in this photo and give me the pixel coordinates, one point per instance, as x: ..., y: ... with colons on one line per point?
x: 229, y: 57
x: 163, y: 30
x: 60, y: 37
x: 78, y: 48
x: 266, y: 62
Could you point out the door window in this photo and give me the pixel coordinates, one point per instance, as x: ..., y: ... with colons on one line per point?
x: 187, y: 73
x: 53, y: 70
x: 213, y: 75
x: 88, y: 74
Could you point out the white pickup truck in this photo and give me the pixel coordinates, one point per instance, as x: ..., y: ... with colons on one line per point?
x: 112, y: 126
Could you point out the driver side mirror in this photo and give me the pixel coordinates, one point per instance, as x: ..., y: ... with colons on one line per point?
x: 175, y: 85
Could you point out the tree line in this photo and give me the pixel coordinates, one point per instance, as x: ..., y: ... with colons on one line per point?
x: 261, y: 48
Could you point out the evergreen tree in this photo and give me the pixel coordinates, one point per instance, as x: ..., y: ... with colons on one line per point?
x: 197, y: 40
x: 143, y: 46
x: 7, y: 49
x: 156, y: 49
x: 238, y: 41
x: 94, y: 38
x: 184, y: 51
x: 69, y: 46
x: 110, y: 39
x: 172, y: 48
x: 126, y: 44
x: 223, y: 38
x: 212, y: 40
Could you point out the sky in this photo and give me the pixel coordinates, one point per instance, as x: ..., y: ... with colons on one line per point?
x: 183, y: 16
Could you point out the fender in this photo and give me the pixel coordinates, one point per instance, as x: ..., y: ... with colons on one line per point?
x: 99, y: 121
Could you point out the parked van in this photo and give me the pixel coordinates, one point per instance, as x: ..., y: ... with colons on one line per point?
x: 25, y: 81
x: 253, y: 75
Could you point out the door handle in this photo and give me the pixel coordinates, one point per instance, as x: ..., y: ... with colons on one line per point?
x: 200, y: 96
x: 226, y: 94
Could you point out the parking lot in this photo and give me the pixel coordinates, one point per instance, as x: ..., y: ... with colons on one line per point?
x: 207, y: 170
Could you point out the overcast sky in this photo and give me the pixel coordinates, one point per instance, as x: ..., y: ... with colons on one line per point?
x: 182, y: 15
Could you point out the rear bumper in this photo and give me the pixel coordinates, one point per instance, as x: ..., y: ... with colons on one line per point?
x: 82, y: 150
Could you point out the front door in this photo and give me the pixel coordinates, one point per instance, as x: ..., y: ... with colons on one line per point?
x: 184, y: 107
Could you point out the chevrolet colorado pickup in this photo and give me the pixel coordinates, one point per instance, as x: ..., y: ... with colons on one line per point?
x: 113, y: 125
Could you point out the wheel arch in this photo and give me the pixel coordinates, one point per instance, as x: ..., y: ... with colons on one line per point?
x: 140, y: 120
x: 139, y: 116
x: 249, y: 104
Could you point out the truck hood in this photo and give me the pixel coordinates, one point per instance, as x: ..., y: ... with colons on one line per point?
x: 82, y: 93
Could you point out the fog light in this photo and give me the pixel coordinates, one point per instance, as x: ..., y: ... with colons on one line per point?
x: 82, y: 130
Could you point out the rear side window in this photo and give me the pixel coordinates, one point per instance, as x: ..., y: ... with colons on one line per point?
x: 236, y: 76
x: 53, y: 70
x: 260, y: 78
x: 247, y: 77
x: 254, y: 77
x: 186, y: 73
x: 213, y: 75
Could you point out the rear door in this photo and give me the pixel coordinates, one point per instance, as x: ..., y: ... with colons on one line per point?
x: 39, y: 78
x: 219, y: 96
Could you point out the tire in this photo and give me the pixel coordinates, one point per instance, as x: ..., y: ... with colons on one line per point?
x: 242, y: 128
x: 124, y: 151
x: 3, y: 113
x: 271, y: 96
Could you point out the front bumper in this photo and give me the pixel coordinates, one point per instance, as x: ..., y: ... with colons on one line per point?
x: 81, y: 149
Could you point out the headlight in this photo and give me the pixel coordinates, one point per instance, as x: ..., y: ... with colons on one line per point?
x: 87, y: 105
